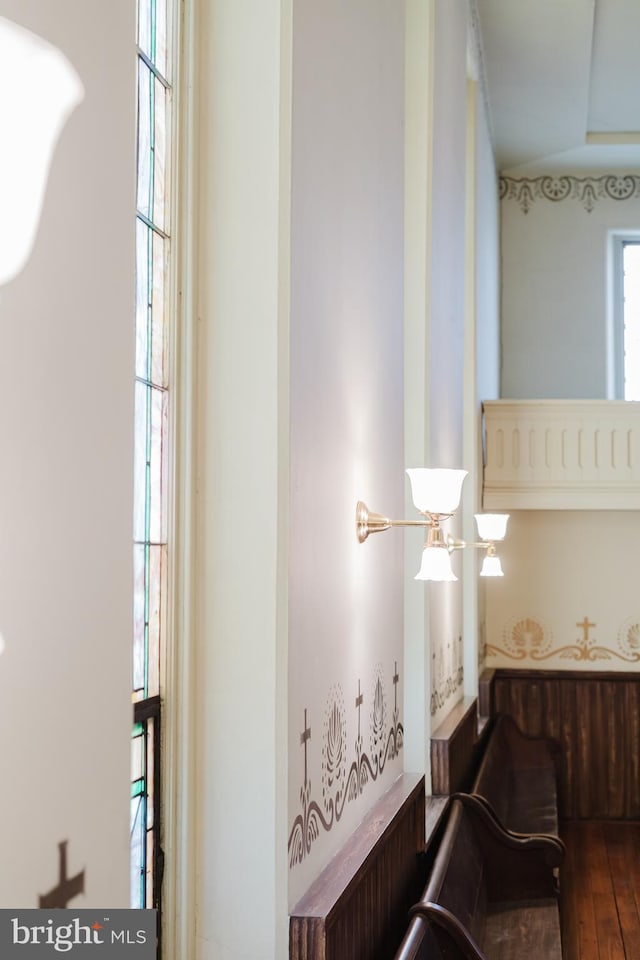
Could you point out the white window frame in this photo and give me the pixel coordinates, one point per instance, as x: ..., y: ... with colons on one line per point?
x: 615, y: 313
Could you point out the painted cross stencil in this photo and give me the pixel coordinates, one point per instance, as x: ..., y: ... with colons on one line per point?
x: 359, y: 700
x: 304, y: 737
x: 586, y: 626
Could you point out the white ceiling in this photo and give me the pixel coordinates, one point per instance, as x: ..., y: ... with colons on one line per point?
x: 561, y: 74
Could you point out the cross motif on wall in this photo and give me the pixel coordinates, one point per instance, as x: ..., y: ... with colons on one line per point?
x: 359, y: 700
x: 68, y: 887
x: 585, y: 624
x: 304, y: 737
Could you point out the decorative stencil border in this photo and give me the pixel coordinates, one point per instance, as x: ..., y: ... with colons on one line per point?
x: 526, y: 638
x: 339, y: 785
x: 586, y: 190
x: 444, y: 685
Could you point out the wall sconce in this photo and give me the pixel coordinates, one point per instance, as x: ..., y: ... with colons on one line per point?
x: 40, y: 91
x: 436, y: 495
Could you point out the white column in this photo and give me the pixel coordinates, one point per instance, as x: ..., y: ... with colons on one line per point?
x: 472, y: 492
x: 243, y: 472
x: 418, y: 120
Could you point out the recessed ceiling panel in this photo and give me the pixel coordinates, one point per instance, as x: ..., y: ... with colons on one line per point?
x: 614, y: 98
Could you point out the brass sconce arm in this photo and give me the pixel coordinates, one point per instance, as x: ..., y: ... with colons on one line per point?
x: 367, y: 522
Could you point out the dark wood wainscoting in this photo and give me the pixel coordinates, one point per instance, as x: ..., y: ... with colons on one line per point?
x: 358, y: 906
x: 596, y: 718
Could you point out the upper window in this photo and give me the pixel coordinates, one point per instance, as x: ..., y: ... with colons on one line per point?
x: 626, y: 315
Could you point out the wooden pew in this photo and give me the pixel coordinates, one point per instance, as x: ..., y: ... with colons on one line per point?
x: 518, y: 780
x: 490, y: 896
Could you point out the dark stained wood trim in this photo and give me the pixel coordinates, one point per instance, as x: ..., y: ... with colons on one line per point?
x: 596, y: 718
x: 485, y: 693
x: 453, y: 748
x: 358, y: 905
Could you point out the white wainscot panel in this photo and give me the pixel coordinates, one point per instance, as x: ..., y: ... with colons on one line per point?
x: 561, y: 454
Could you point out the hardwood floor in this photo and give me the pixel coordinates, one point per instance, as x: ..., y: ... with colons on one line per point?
x: 600, y: 889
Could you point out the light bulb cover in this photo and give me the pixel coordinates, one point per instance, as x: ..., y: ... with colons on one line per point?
x: 40, y: 91
x: 436, y: 490
x: 492, y: 526
x: 436, y: 565
x: 491, y: 567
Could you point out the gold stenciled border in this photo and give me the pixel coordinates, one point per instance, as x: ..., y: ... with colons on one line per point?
x: 526, y: 638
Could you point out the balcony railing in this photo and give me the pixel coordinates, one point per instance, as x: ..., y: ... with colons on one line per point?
x: 561, y: 455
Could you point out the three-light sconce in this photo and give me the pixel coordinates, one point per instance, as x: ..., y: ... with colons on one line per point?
x: 436, y: 495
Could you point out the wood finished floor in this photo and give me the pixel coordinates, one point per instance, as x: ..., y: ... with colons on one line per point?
x: 600, y: 890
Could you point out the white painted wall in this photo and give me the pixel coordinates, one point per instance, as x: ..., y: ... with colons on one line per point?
x: 560, y: 567
x: 554, y: 295
x: 66, y: 417
x: 346, y: 412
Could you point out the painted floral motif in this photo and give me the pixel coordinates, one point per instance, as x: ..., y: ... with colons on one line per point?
x: 378, y: 716
x: 334, y: 750
x: 629, y: 639
x: 338, y: 786
x: 444, y: 685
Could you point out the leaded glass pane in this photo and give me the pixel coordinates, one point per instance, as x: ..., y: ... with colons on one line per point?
x: 145, y: 14
x: 139, y: 618
x: 159, y: 146
x: 150, y: 779
x: 156, y: 585
x: 161, y: 39
x: 157, y: 454
x: 143, y: 299
x: 151, y: 336
x: 145, y: 131
x: 142, y: 427
x: 157, y: 348
x: 137, y: 759
x: 150, y: 464
x: 149, y: 871
x: 138, y: 850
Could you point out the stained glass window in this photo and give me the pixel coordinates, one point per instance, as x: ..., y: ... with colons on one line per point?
x: 150, y: 447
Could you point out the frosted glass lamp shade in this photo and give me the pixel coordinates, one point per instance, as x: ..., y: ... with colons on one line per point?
x: 436, y: 490
x: 436, y: 565
x: 491, y: 567
x: 40, y: 89
x: 492, y: 526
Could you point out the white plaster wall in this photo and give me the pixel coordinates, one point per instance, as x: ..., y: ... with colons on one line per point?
x: 554, y: 295
x: 346, y: 621
x: 66, y: 416
x: 447, y: 323
x: 562, y: 567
